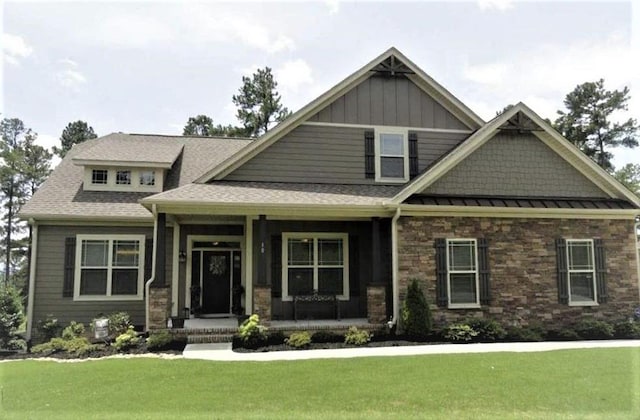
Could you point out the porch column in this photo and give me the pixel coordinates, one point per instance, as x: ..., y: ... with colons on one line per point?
x: 161, y: 251
x: 376, y: 277
x: 262, y: 252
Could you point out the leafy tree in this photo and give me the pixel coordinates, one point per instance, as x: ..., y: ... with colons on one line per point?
x: 74, y: 133
x: 629, y: 176
x: 587, y: 122
x: 200, y: 125
x: 37, y: 165
x: 259, y: 104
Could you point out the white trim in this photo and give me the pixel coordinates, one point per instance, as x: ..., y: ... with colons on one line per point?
x: 369, y: 126
x: 378, y: 130
x: 466, y: 305
x: 315, y: 236
x: 248, y: 265
x: 111, y: 184
x: 110, y: 238
x: 594, y: 284
x: 122, y: 164
x: 175, y: 269
x: 32, y: 278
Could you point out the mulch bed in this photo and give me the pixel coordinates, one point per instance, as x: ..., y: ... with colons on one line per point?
x: 323, y: 346
x: 103, y: 351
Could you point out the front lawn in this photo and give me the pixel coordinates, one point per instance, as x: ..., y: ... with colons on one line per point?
x: 575, y: 384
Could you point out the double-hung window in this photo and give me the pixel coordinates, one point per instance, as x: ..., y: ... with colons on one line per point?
x: 392, y: 160
x: 109, y: 267
x: 581, y: 270
x: 315, y: 262
x: 462, y: 269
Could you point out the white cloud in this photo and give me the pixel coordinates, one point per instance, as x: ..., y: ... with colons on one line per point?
x: 255, y: 35
x: 489, y: 74
x: 333, y: 6
x: 293, y: 74
x: 132, y: 31
x: 500, y: 5
x: 15, y: 48
x: 69, y: 76
x: 47, y: 141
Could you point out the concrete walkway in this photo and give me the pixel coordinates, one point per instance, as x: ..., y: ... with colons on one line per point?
x: 223, y: 352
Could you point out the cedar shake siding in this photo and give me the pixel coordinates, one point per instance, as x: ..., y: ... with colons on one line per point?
x: 391, y: 101
x: 50, y: 274
x: 359, y: 265
x: 517, y: 166
x: 336, y: 155
x: 522, y: 262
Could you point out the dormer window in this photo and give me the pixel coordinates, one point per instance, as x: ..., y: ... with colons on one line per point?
x: 99, y: 176
x: 147, y: 178
x: 392, y: 155
x: 123, y: 177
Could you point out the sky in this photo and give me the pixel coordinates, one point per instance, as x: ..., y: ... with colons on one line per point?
x: 146, y: 67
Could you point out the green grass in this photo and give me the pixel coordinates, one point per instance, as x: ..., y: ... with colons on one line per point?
x: 575, y: 384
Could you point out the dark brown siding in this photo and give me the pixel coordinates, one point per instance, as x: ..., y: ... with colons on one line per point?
x: 50, y: 273
x: 388, y: 101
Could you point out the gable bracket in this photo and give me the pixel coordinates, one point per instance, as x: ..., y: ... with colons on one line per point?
x: 391, y: 67
x: 520, y: 124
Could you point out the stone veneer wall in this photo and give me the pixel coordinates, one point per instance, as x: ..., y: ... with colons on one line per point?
x: 262, y: 303
x: 522, y: 261
x: 377, y: 304
x: 159, y: 307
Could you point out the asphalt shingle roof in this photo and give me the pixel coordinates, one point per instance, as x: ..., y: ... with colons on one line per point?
x: 62, y: 194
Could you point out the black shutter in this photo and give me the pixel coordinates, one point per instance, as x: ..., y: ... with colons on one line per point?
x: 562, y: 273
x: 276, y: 266
x: 148, y: 262
x: 483, y: 263
x: 69, y: 266
x: 369, y: 155
x: 413, y: 155
x: 354, y: 266
x: 601, y: 270
x: 441, y: 272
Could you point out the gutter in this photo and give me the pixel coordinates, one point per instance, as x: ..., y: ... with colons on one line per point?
x: 32, y: 276
x: 153, y: 268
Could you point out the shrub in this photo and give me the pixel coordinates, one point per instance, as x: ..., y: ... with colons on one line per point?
x: 488, y: 330
x: 10, y: 315
x: 593, y: 329
x: 357, y: 337
x: 251, y: 333
x: 77, y: 346
x: 460, y: 333
x: 119, y: 323
x: 159, y: 340
x: 49, y: 327
x: 524, y: 334
x: 126, y: 340
x: 626, y: 329
x: 73, y: 330
x: 327, y: 337
x: 275, y: 338
x: 299, y: 339
x: 51, y: 346
x: 416, y: 315
x: 564, y: 334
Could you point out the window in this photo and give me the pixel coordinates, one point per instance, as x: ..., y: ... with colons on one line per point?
x: 392, y: 163
x: 462, y: 269
x: 99, y: 176
x: 581, y: 270
x: 315, y: 262
x: 109, y: 267
x: 123, y: 177
x: 147, y: 178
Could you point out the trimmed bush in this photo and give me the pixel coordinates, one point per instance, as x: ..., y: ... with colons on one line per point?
x: 327, y: 337
x: 416, y: 314
x: 299, y: 339
x: 10, y: 315
x: 251, y: 334
x: 77, y: 346
x: 460, y: 333
x: 119, y: 323
x: 275, y: 338
x: 488, y: 330
x: 526, y: 334
x: 357, y: 337
x: 126, y: 340
x: 49, y: 327
x: 158, y: 340
x: 626, y: 329
x: 564, y: 334
x: 593, y: 329
x: 73, y: 330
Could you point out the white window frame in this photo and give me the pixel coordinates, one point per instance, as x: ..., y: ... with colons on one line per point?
x: 475, y: 304
x: 110, y: 238
x: 378, y: 154
x: 315, y: 236
x: 112, y: 184
x: 594, y: 302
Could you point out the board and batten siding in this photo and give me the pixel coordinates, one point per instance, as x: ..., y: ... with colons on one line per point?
x: 48, y: 297
x: 515, y: 165
x: 329, y: 154
x: 392, y: 101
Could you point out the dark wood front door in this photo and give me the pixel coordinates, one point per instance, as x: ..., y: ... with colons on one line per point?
x: 217, y: 275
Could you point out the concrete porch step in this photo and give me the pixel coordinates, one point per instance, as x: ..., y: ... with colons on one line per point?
x: 209, y: 338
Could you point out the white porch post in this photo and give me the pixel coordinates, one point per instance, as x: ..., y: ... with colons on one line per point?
x: 248, y: 264
x: 175, y: 272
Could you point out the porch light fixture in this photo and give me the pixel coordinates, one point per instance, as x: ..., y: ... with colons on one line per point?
x: 182, y: 256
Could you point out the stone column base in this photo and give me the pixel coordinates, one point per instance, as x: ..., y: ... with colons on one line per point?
x: 377, y: 304
x: 262, y: 303
x: 159, y: 307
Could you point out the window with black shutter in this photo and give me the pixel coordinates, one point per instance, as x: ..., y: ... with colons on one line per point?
x: 581, y: 271
x: 69, y: 266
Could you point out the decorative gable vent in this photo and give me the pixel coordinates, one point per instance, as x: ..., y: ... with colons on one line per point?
x: 520, y: 124
x: 392, y: 67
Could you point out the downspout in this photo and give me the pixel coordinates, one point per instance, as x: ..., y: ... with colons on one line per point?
x: 32, y: 276
x: 153, y: 268
x: 394, y: 269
